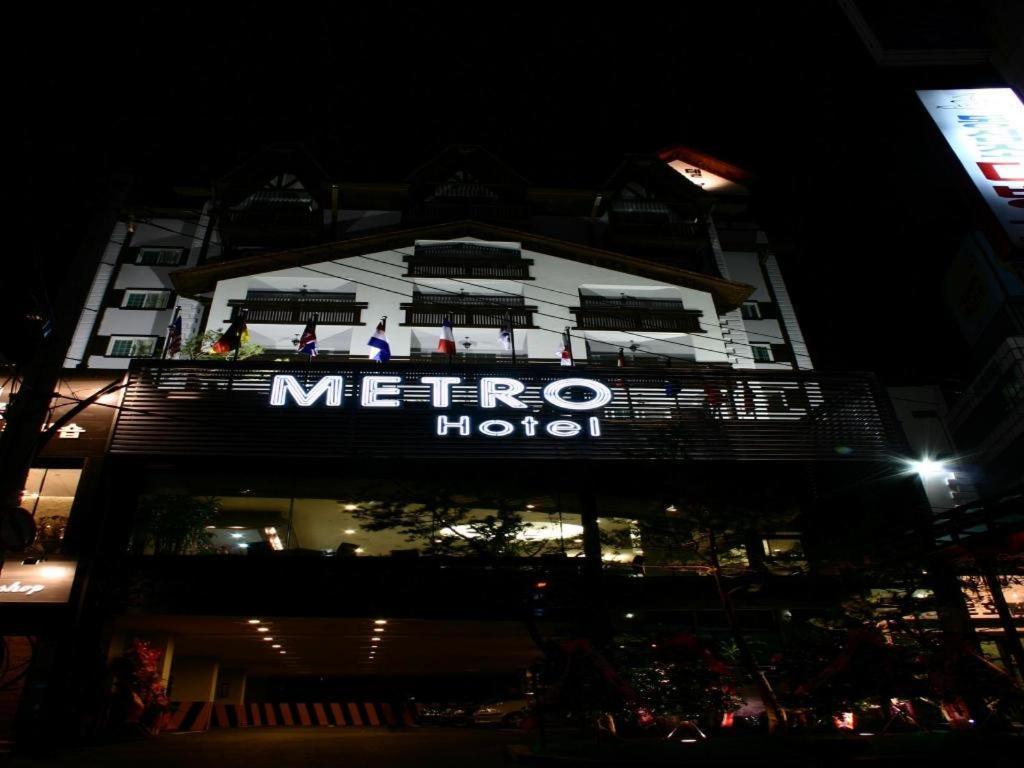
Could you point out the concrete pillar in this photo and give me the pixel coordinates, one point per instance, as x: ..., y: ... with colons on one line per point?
x: 230, y: 686
x: 194, y: 678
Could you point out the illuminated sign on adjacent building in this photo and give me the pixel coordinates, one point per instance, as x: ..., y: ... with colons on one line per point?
x: 985, y: 127
x: 42, y: 582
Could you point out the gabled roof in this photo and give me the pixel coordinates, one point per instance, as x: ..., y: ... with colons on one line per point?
x: 658, y: 180
x: 197, y: 280
x: 482, y: 165
x: 270, y: 163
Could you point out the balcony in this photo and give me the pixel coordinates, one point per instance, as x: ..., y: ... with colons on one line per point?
x: 467, y: 310
x: 297, y: 307
x: 629, y: 313
x: 468, y: 260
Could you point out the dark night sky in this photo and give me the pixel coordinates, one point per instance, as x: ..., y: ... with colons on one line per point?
x: 857, y: 193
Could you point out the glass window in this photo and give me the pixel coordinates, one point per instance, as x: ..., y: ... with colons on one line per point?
x: 750, y: 310
x: 349, y: 519
x: 762, y: 353
x: 134, y: 299
x: 48, y: 495
x: 160, y: 257
x: 131, y: 346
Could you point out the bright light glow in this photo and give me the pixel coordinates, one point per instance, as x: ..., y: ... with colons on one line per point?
x: 629, y: 615
x: 282, y: 652
x: 262, y: 629
x: 380, y: 621
x: 538, y: 531
x: 254, y: 621
x: 928, y: 468
x: 359, y: 550
x: 237, y: 535
x: 351, y: 507
x: 378, y: 629
x: 349, y: 531
x: 272, y: 537
x: 243, y: 545
x: 529, y: 506
x: 671, y: 508
x: 276, y: 645
x: 268, y: 639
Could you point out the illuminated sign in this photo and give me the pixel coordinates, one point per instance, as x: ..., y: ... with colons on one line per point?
x: 985, y: 127
x: 576, y: 395
x: 42, y: 582
x: 980, y: 604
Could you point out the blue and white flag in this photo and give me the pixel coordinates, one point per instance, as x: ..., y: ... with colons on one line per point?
x: 379, y: 350
x: 505, y: 335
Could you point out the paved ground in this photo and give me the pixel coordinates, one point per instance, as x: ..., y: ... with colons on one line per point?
x: 305, y: 747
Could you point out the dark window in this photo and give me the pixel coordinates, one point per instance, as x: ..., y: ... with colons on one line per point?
x: 145, y: 299
x: 762, y: 353
x: 160, y: 257
x: 750, y: 310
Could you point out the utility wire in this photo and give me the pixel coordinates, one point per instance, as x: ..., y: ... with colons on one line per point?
x: 495, y: 314
x: 199, y: 226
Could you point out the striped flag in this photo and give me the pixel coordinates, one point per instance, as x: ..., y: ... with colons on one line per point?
x: 446, y: 343
x: 379, y: 349
x: 565, y: 354
x: 173, y: 345
x: 307, y: 341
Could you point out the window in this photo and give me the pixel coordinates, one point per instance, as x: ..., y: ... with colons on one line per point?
x: 131, y: 346
x: 160, y: 257
x: 138, y: 299
x: 762, y: 353
x: 750, y: 310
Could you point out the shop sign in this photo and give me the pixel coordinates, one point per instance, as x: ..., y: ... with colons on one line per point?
x: 489, y: 398
x: 985, y: 128
x: 980, y: 604
x: 41, y: 582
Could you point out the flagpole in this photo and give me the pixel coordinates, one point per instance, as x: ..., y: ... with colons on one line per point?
x: 568, y: 345
x: 511, y: 333
x: 451, y: 347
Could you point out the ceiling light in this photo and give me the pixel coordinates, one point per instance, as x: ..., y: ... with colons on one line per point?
x: 380, y: 621
x: 237, y: 535
x: 268, y: 639
x: 529, y: 506
x: 351, y: 507
x: 349, y: 531
x: 378, y: 629
x: 262, y: 629
x: 254, y: 621
x: 275, y: 645
x: 282, y: 651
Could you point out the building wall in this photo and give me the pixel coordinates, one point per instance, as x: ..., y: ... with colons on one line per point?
x: 377, y: 280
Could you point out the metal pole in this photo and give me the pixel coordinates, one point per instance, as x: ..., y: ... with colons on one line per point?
x: 511, y: 333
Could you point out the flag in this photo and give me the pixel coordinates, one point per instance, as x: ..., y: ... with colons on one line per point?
x: 505, y: 335
x: 446, y: 343
x: 235, y: 336
x: 173, y: 345
x: 379, y: 350
x: 566, y: 352
x: 620, y: 361
x: 307, y: 341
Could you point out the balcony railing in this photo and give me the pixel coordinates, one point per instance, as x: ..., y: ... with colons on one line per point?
x: 291, y: 307
x: 629, y: 313
x: 468, y: 260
